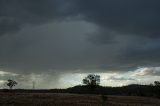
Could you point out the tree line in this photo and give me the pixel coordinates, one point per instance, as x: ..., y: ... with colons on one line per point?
x: 91, y: 85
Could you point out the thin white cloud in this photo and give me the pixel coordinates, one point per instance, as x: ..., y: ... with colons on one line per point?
x: 4, y: 73
x: 2, y: 81
x: 147, y: 71
x: 49, y: 80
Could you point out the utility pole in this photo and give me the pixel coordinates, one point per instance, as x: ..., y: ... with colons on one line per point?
x: 33, y: 85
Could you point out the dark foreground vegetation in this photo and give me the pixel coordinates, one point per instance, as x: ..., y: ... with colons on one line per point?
x: 65, y: 99
x: 89, y: 94
x: 130, y: 90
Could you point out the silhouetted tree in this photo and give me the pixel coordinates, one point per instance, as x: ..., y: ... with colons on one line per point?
x: 157, y: 88
x: 11, y: 83
x: 156, y: 83
x: 92, y: 80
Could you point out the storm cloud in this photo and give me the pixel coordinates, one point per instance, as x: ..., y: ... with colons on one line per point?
x: 16, y: 14
x: 55, y: 37
x: 136, y: 17
x: 123, y: 17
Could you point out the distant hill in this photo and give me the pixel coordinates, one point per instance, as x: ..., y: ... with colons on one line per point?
x: 130, y: 90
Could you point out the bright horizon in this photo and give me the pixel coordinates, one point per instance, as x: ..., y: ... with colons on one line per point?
x: 45, y: 80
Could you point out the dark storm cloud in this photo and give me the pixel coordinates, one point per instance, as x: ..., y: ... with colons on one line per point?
x: 141, y: 52
x: 15, y: 14
x: 136, y: 21
x: 129, y: 17
x: 126, y: 28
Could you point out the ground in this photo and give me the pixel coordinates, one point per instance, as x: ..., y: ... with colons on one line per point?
x: 62, y: 99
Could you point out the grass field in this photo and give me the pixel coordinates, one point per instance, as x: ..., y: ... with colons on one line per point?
x: 46, y: 99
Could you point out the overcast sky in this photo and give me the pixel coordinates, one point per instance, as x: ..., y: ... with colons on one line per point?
x: 56, y: 43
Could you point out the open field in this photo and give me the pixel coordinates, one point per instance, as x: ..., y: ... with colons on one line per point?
x: 60, y: 99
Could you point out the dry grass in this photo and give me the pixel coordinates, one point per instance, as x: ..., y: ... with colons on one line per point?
x: 44, y: 99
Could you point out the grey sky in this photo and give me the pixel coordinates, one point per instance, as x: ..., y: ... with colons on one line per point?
x: 58, y: 37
